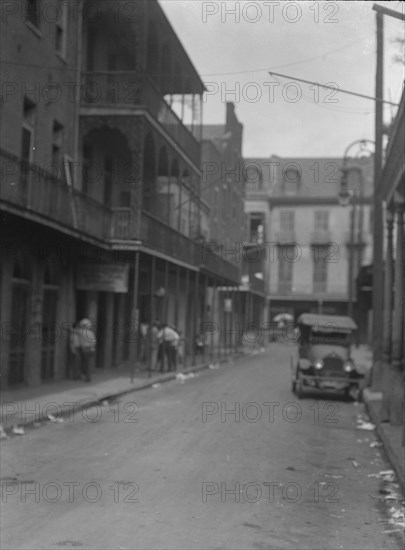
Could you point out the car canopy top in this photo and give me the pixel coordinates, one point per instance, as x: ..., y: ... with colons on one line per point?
x: 327, y: 323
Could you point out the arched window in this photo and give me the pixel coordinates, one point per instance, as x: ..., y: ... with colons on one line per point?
x: 291, y: 178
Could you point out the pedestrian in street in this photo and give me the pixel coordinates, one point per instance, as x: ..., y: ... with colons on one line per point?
x: 169, y: 339
x: 180, y: 348
x: 155, y: 345
x: 74, y: 343
x: 144, y: 344
x: 174, y: 346
x: 87, y: 347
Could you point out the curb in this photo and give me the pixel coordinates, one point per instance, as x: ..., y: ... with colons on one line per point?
x: 391, y: 455
x: 80, y: 405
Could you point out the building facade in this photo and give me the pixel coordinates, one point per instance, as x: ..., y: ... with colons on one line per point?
x: 392, y: 195
x: 242, y: 303
x: 313, y: 242
x: 101, y: 205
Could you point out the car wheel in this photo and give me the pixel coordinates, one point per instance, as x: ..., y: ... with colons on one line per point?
x: 293, y: 374
x: 347, y: 394
x: 299, y: 391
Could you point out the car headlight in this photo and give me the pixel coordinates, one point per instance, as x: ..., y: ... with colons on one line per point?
x: 348, y: 366
x: 318, y: 364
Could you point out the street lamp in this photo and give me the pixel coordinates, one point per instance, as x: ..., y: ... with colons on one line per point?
x: 347, y: 196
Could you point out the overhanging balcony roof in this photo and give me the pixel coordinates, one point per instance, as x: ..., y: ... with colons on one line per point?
x: 193, y: 83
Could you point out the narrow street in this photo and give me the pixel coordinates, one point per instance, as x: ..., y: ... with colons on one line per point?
x: 173, y: 467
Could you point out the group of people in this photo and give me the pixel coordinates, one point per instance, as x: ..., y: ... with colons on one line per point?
x: 162, y: 342
x: 165, y: 344
x: 83, y: 347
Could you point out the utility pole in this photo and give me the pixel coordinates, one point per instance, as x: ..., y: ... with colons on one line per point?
x: 377, y: 212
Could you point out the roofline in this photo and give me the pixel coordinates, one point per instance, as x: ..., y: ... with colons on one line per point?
x: 176, y: 36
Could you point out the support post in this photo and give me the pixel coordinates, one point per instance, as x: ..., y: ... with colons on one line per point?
x: 377, y: 210
x: 397, y: 392
x: 186, y: 328
x: 135, y: 313
x: 387, y: 315
x: 213, y: 304
x: 151, y: 313
x: 195, y: 315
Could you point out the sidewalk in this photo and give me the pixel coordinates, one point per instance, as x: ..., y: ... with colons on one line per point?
x: 391, y: 436
x: 49, y: 402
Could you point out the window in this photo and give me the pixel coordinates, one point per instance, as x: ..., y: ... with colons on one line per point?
x: 286, y: 255
x: 321, y: 220
x: 88, y: 168
x: 27, y: 138
x: 57, y: 157
x: 291, y: 178
x: 108, y: 180
x: 32, y: 12
x: 60, y: 31
x: 287, y: 219
x: 320, y: 273
x: 256, y: 227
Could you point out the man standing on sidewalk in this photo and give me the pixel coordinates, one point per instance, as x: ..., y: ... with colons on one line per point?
x: 170, y: 340
x: 87, y: 346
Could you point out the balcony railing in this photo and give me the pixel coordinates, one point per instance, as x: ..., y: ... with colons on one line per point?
x: 208, y: 259
x: 353, y: 240
x: 125, y: 88
x: 163, y: 238
x: 121, y: 226
x: 285, y: 237
x: 285, y: 287
x: 319, y: 287
x: 35, y: 191
x: 321, y: 237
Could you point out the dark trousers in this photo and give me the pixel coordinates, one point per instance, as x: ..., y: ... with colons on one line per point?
x: 166, y: 352
x: 85, y: 358
x: 75, y: 365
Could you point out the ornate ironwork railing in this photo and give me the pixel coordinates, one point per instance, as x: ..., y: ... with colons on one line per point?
x: 125, y: 88
x: 34, y: 190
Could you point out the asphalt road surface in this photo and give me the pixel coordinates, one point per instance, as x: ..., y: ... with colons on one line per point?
x: 174, y: 467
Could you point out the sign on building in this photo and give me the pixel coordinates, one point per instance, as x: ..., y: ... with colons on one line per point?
x: 102, y: 277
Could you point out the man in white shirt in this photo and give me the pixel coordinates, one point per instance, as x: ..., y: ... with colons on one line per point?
x: 170, y: 340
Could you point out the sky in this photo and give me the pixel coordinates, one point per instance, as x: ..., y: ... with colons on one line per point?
x: 325, y: 42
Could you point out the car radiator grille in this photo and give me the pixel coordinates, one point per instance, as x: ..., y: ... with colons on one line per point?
x: 333, y: 366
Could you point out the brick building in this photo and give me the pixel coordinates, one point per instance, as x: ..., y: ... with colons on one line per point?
x: 101, y: 207
x: 224, y: 189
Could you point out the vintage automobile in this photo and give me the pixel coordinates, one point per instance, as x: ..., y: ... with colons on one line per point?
x: 324, y: 361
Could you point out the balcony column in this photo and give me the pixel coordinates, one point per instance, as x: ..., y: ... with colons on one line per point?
x: 176, y: 303
x: 388, y: 285
x: 192, y: 113
x: 203, y: 323
x: 186, y: 327
x: 240, y: 320
x: 151, y: 314
x: 397, y: 375
x: 166, y: 296
x: 133, y: 352
x: 195, y: 315
x: 179, y: 206
x: 214, y: 332
x: 351, y: 261
x: 387, y: 318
